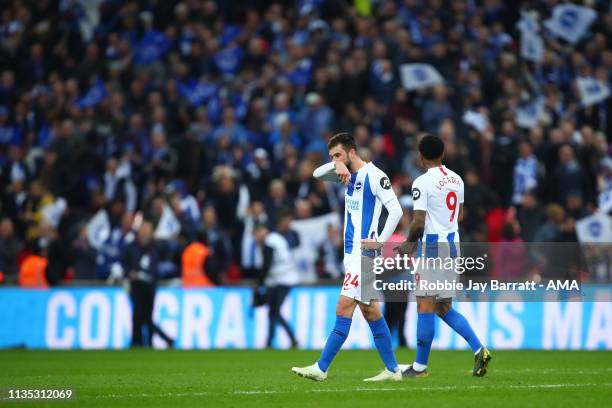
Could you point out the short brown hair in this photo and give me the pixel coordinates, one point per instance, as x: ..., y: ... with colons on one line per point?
x: 345, y: 139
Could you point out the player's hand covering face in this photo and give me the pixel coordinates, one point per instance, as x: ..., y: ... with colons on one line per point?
x: 342, y: 163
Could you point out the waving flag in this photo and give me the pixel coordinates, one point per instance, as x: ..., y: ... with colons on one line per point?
x: 98, y: 229
x: 532, y: 46
x: 570, y: 21
x: 528, y: 22
x: 476, y: 119
x: 419, y: 76
x: 93, y: 96
x: 151, y: 48
x: 595, y: 228
x: 528, y: 116
x: 592, y: 91
x: 228, y: 60
x: 196, y: 92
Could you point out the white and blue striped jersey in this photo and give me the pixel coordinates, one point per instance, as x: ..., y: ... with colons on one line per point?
x: 439, y: 192
x: 368, y: 190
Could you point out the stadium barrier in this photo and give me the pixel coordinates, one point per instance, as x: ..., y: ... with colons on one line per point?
x: 100, y: 318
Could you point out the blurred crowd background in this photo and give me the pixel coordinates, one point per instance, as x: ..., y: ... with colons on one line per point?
x: 211, y: 115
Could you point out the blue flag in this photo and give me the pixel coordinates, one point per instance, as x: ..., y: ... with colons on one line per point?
x: 93, y: 96
x: 152, y: 47
x: 197, y: 92
x: 228, y: 60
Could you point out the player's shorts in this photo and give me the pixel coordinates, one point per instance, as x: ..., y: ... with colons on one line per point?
x: 432, y: 279
x: 359, y: 278
x: 437, y: 283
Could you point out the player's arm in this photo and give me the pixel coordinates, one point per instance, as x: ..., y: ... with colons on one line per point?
x: 460, y: 218
x: 384, y: 192
x: 395, y: 214
x: 333, y: 171
x: 417, y: 226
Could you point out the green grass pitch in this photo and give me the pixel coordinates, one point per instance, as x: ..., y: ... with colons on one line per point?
x: 228, y: 378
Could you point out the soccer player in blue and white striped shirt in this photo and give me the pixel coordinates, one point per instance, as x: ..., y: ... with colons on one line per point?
x: 368, y: 190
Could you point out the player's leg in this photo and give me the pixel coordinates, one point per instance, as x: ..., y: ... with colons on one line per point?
x: 344, y: 314
x: 380, y: 332
x: 401, y: 315
x: 426, y: 330
x: 344, y: 317
x: 382, y: 340
x: 459, y: 323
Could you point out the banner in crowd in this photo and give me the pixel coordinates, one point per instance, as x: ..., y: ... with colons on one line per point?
x: 313, y: 232
x: 99, y: 318
x: 419, y: 76
x: 570, y: 22
x: 592, y: 91
x: 532, y: 45
x: 595, y: 228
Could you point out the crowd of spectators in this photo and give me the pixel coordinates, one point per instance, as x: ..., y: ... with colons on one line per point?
x: 220, y: 110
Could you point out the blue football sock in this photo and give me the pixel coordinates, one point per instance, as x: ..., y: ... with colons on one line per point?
x: 426, y: 329
x: 382, y: 340
x: 334, y: 341
x: 460, y: 324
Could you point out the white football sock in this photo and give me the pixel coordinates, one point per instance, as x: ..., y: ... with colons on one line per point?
x: 418, y: 367
x: 478, y: 351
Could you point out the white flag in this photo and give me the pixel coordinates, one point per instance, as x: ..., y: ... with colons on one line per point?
x: 604, y: 201
x: 595, y: 228
x: 528, y: 116
x: 476, y: 119
x: 419, y: 76
x: 52, y: 213
x: 570, y: 22
x: 592, y: 91
x: 98, y: 229
x: 532, y: 46
x: 168, y: 225
x: 528, y: 22
x: 312, y: 233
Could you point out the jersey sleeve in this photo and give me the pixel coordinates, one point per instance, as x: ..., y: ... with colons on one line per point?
x: 419, y: 194
x: 382, y: 188
x: 326, y: 172
x: 384, y: 192
x: 461, y: 193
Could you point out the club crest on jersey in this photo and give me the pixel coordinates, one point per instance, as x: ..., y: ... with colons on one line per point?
x: 416, y: 193
x: 358, y: 185
x: 385, y: 183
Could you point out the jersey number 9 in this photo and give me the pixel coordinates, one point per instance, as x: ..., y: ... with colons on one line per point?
x: 451, y: 203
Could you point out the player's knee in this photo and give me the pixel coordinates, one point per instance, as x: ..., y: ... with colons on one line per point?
x: 442, y: 308
x: 426, y: 305
x: 370, y: 312
x: 344, y: 308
